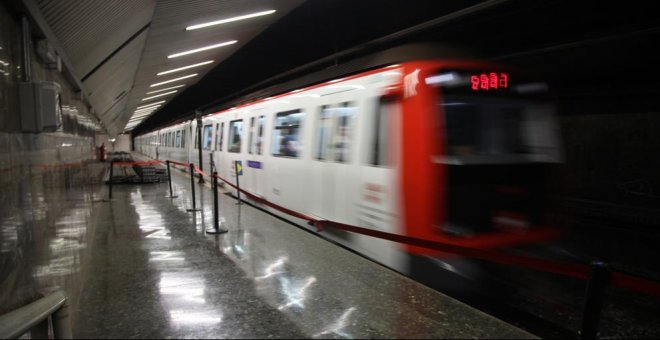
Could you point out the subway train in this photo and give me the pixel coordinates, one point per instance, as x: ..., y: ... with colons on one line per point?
x: 435, y: 145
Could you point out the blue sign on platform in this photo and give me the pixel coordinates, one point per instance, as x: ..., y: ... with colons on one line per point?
x: 254, y: 164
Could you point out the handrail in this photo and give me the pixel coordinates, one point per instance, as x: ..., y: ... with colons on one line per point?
x: 21, y: 320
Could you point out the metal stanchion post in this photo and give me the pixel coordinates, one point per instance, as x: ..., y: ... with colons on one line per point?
x: 192, y: 187
x: 238, y: 184
x: 169, y: 178
x: 216, y: 211
x: 599, y: 277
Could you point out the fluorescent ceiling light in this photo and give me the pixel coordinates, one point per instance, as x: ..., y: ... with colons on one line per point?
x: 160, y: 95
x: 173, y: 80
x: 224, y: 21
x: 143, y: 106
x: 165, y: 89
x: 143, y: 111
x: 202, y: 49
x: 185, y: 67
x: 147, y: 108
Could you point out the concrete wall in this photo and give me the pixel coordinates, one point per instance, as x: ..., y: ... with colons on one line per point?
x: 41, y: 174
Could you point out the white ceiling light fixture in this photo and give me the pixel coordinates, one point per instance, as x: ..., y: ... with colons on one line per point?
x: 160, y: 95
x: 205, y: 48
x: 144, y: 111
x: 173, y: 80
x: 185, y: 67
x: 141, y: 117
x: 165, y: 89
x: 232, y: 19
x: 152, y: 104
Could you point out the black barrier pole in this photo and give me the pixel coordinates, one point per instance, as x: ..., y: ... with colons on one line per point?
x: 110, y: 187
x: 169, y: 178
x: 216, y: 211
x: 192, y: 187
x: 238, y: 184
x: 599, y: 277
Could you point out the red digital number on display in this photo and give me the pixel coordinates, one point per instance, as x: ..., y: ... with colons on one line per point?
x: 489, y: 81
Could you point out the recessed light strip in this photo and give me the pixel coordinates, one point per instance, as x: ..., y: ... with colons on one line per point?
x: 165, y: 89
x: 152, y: 104
x: 173, y: 80
x: 144, y: 111
x: 185, y: 67
x: 202, y: 49
x: 160, y: 95
x: 224, y: 21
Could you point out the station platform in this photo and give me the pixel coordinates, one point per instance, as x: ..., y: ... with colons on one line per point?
x: 141, y: 266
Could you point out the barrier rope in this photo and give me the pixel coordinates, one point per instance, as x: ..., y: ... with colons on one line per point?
x: 579, y: 271
x: 199, y: 171
x: 179, y: 163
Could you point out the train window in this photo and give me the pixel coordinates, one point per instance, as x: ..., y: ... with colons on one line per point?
x: 260, y: 143
x: 323, y: 133
x: 333, y: 132
x: 286, y: 135
x: 235, y: 132
x: 178, y: 139
x: 207, y: 137
x: 183, y: 138
x: 251, y: 139
x: 222, y: 134
x: 341, y: 138
x: 386, y: 110
x: 172, y: 139
x: 498, y: 126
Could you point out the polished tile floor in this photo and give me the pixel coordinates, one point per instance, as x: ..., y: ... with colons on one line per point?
x: 141, y: 266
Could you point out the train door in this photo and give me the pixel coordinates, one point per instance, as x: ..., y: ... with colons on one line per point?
x: 221, y: 157
x: 334, y: 150
x: 254, y: 167
x: 193, y: 142
x: 207, y: 145
x: 377, y: 193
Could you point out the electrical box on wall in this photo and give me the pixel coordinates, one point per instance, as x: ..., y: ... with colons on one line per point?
x: 48, y: 55
x: 41, y: 106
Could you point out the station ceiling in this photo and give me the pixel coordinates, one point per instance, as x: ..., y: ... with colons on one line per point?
x: 116, y: 48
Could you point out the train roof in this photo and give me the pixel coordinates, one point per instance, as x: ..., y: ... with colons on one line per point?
x: 300, y: 78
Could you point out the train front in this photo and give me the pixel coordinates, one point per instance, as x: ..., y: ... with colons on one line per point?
x: 479, y: 146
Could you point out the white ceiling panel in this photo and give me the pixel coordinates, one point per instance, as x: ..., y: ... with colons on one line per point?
x: 120, y: 45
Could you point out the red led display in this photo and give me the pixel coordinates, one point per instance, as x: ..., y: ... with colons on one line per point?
x: 489, y: 81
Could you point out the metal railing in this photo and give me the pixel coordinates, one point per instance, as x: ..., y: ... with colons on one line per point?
x: 55, y: 305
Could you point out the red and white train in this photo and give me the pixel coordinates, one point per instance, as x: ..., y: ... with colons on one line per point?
x: 453, y: 150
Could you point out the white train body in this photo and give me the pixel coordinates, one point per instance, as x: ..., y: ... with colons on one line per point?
x: 375, y: 150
